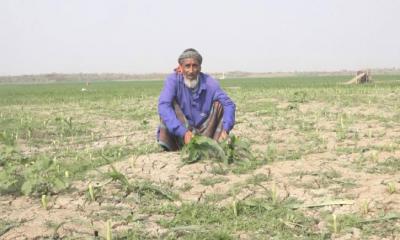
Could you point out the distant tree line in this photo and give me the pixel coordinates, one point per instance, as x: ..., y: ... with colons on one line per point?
x: 102, y: 77
x: 79, y: 77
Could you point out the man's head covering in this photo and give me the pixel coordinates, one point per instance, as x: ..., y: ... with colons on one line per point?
x: 190, y: 53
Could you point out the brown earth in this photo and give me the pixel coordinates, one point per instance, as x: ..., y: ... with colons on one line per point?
x: 316, y: 177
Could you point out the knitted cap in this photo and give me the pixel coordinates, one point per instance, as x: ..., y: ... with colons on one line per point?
x: 190, y: 53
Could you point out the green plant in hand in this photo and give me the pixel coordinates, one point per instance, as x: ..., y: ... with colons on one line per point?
x: 201, y: 147
x: 229, y: 151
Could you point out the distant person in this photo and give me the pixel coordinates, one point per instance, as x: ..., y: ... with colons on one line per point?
x: 192, y: 102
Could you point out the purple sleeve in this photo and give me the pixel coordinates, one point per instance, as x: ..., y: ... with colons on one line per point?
x: 166, y: 108
x: 229, y: 109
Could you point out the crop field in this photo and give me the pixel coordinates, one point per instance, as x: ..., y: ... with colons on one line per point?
x: 323, y: 163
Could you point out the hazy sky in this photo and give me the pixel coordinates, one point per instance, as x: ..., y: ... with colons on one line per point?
x: 68, y: 36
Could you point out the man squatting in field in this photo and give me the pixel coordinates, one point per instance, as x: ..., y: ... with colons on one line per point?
x: 192, y: 102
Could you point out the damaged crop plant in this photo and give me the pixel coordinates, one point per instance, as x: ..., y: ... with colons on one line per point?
x: 231, y: 150
x: 304, y: 149
x: 36, y: 177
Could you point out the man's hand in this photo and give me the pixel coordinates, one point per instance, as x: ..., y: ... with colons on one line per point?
x: 223, y: 136
x: 188, y: 136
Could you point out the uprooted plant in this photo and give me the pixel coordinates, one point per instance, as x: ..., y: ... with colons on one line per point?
x: 139, y: 187
x: 229, y: 151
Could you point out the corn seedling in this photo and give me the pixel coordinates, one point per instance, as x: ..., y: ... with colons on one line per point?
x: 44, y: 201
x: 274, y: 193
x: 364, y: 207
x: 391, y: 188
x: 234, y: 207
x: 91, y: 192
x: 341, y: 122
x: 117, y: 176
x: 334, y: 222
x: 108, y: 230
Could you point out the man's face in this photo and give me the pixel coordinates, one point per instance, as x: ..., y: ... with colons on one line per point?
x: 190, y: 68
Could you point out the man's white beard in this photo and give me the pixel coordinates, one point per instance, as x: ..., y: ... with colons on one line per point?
x: 191, y: 83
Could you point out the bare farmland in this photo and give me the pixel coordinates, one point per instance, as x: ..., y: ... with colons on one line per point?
x: 83, y: 164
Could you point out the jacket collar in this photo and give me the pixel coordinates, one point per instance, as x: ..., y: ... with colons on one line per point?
x: 202, y: 82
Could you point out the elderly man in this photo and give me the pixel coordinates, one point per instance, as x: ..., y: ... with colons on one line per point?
x: 192, y: 102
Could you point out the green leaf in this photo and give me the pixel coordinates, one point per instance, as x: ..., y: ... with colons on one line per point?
x: 229, y: 151
x: 201, y: 147
x: 27, y: 187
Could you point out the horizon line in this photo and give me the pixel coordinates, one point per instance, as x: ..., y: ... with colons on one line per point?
x: 211, y: 72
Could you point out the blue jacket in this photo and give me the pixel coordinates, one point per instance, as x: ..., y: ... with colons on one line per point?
x: 195, y: 105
